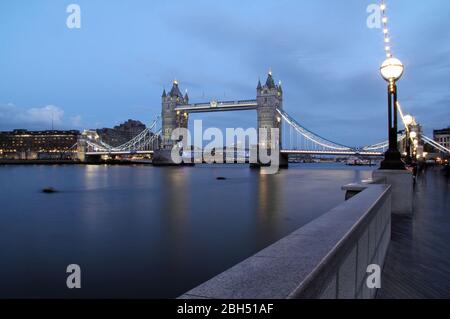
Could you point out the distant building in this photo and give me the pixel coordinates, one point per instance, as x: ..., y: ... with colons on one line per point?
x: 122, y: 133
x: 442, y: 137
x: 24, y: 144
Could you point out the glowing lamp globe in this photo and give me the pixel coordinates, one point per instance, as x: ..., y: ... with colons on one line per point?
x: 408, y: 120
x: 413, y: 135
x: 392, y: 69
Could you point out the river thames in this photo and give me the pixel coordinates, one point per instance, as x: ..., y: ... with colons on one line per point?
x: 147, y: 232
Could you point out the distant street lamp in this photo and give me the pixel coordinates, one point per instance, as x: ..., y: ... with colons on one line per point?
x: 392, y: 70
x: 413, y: 137
x: 408, y: 120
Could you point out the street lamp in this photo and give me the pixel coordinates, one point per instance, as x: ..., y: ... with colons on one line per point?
x: 408, y: 120
x: 392, y: 70
x: 415, y: 143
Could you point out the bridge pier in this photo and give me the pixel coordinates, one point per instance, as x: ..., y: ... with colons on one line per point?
x: 163, y: 157
x: 283, y: 162
x: 93, y: 159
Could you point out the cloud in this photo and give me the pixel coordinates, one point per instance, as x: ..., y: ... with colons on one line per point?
x: 12, y: 116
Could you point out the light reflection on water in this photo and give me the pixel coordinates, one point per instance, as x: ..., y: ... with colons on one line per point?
x: 149, y: 232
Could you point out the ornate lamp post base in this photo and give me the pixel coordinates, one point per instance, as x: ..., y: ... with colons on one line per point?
x: 392, y: 161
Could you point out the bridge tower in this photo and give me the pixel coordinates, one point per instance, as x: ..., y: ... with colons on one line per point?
x: 171, y: 119
x: 81, y: 148
x: 269, y: 98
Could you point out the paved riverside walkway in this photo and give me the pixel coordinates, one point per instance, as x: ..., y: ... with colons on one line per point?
x: 418, y: 260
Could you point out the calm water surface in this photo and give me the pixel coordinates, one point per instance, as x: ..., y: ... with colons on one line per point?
x: 140, y: 232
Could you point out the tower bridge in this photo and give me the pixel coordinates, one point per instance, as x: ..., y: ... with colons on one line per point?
x: 294, y: 138
x: 176, y: 110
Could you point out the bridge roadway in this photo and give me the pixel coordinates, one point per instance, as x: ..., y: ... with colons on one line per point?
x: 337, y: 153
x: 288, y: 152
x: 101, y: 153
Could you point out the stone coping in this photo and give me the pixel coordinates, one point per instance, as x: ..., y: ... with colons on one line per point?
x: 293, y: 266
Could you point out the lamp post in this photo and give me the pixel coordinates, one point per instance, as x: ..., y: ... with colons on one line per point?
x: 408, y: 120
x: 392, y: 70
